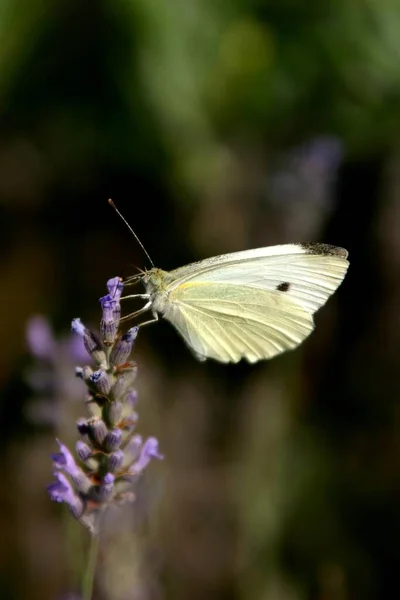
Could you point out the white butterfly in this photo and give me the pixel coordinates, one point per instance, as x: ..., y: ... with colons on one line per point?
x: 253, y: 304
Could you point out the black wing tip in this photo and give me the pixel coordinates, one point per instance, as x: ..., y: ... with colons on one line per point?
x: 324, y: 249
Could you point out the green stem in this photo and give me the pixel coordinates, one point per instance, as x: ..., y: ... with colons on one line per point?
x: 88, y: 576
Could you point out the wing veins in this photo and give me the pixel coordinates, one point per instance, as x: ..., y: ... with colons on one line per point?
x: 211, y: 335
x: 275, y: 337
x: 222, y: 262
x: 223, y: 316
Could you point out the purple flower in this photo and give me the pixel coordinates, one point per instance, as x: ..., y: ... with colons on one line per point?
x: 111, y: 454
x: 73, y: 347
x: 101, y: 381
x: 115, y: 460
x: 50, y: 374
x: 123, y: 347
x: 132, y: 448
x: 113, y: 440
x: 83, y: 451
x: 132, y: 397
x: 78, y: 327
x: 110, y: 319
x: 148, y: 451
x: 62, y: 491
x: 106, y: 488
x: 40, y: 337
x: 91, y: 341
x: 66, y: 462
x: 115, y: 287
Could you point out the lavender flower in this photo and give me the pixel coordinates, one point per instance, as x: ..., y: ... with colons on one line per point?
x: 111, y: 456
x: 50, y: 374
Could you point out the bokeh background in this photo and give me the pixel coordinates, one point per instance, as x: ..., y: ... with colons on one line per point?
x: 215, y: 127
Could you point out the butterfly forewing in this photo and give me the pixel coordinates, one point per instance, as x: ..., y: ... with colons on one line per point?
x: 306, y: 277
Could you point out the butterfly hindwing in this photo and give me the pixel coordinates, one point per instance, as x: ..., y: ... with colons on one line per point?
x: 229, y: 322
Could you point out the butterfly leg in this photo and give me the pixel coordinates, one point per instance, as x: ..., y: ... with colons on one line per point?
x: 153, y: 320
x: 147, y: 306
x: 142, y: 296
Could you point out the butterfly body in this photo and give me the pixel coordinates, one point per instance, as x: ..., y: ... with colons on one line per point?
x: 156, y: 282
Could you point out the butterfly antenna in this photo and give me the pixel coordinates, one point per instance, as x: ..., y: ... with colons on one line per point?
x: 111, y: 203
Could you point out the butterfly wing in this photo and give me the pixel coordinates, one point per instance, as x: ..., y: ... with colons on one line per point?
x: 306, y: 273
x: 230, y: 322
x: 253, y: 304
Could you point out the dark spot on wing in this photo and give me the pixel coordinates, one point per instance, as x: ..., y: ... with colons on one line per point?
x: 283, y: 287
x: 324, y: 249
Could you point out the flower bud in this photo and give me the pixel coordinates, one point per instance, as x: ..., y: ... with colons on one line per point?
x: 123, y: 382
x: 83, y: 372
x: 83, y: 450
x: 115, y: 287
x: 106, y: 488
x: 83, y: 426
x: 101, y: 381
x: 91, y: 341
x: 97, y: 431
x: 114, y: 412
x: 115, y: 461
x: 112, y: 440
x: 108, y: 323
x: 122, y: 349
x: 93, y: 407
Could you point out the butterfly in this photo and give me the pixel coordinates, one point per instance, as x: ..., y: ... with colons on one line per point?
x: 249, y: 305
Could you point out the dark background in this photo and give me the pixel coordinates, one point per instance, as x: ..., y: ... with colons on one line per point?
x: 215, y: 127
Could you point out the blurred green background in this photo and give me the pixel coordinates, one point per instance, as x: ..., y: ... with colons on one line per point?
x: 214, y: 126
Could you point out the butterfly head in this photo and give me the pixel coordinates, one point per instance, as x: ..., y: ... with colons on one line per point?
x: 155, y: 280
